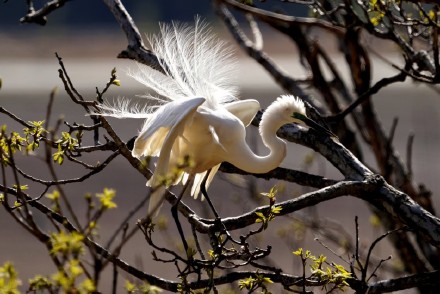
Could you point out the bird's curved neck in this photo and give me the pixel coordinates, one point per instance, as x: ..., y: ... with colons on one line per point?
x: 250, y: 162
x: 269, y: 126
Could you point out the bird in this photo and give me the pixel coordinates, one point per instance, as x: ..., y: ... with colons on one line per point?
x: 195, y: 113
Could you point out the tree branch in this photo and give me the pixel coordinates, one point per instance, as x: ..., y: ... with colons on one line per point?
x: 386, y: 286
x: 283, y: 20
x: 40, y: 16
x: 136, y: 49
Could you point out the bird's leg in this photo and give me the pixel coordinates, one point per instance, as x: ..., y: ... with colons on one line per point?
x: 175, y: 214
x: 217, y: 222
x: 205, y: 194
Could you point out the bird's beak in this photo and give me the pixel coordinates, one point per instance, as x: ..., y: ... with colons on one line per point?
x: 311, y: 123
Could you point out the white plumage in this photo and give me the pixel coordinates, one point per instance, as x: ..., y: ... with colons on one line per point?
x: 197, y: 114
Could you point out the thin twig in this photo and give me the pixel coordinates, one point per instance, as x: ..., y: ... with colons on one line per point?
x: 49, y: 108
x: 409, y: 147
x: 400, y: 77
x: 375, y: 242
x: 283, y: 20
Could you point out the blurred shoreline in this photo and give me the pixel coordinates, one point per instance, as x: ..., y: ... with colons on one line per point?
x: 30, y: 75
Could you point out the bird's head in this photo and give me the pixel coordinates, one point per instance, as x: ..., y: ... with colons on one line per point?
x: 290, y: 109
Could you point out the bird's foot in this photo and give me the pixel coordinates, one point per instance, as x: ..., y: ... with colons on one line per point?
x: 220, y: 227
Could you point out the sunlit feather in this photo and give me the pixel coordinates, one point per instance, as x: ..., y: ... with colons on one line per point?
x: 194, y: 113
x: 196, y: 63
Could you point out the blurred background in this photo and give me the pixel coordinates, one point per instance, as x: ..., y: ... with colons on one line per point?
x: 88, y: 39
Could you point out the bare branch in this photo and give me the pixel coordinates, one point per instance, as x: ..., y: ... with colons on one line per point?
x: 284, y: 174
x: 429, y: 279
x: 283, y: 20
x: 40, y: 16
x: 136, y: 49
x: 400, y: 77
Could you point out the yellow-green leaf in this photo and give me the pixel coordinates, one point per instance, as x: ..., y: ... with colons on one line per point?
x: 54, y: 196
x: 298, y: 252
x: 116, y: 83
x: 106, y: 198
x: 130, y: 287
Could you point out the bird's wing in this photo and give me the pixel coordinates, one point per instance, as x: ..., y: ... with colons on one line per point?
x: 160, y: 132
x: 245, y: 110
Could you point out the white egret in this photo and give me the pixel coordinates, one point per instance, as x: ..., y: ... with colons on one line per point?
x: 198, y: 115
